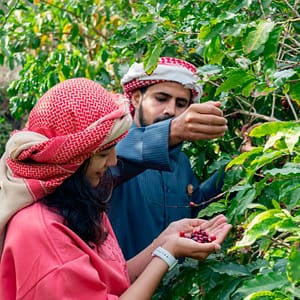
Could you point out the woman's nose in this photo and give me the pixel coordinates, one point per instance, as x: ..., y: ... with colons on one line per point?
x: 112, y: 158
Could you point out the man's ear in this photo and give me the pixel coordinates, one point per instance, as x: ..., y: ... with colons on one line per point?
x: 136, y: 98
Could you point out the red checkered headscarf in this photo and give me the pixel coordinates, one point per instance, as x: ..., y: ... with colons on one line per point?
x: 68, y: 124
x: 168, y: 69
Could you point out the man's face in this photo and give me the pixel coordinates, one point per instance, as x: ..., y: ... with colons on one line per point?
x: 160, y: 102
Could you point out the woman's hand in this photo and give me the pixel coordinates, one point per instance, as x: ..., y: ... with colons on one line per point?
x: 186, y: 247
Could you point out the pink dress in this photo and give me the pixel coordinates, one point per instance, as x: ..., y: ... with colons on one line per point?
x: 44, y: 260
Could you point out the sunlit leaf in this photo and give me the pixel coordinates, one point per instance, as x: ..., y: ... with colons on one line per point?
x: 243, y: 157
x: 152, y: 61
x: 260, y: 226
x: 281, y: 76
x: 259, y: 36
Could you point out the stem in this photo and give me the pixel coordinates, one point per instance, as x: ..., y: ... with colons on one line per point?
x: 292, y: 8
x: 9, y: 13
x: 256, y: 115
x: 280, y: 242
x: 262, y: 9
x: 289, y: 47
x: 288, y: 99
x: 273, y: 105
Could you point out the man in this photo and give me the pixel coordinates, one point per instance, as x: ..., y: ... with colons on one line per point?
x: 166, y: 113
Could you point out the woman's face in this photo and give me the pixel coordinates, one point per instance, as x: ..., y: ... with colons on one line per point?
x: 99, y: 163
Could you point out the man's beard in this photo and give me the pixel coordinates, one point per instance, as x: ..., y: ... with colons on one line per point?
x: 144, y: 123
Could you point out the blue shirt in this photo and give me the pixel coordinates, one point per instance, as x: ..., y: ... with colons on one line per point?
x: 146, y: 204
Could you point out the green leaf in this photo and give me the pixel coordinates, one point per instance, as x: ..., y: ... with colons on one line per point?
x: 266, y: 157
x: 151, y: 63
x: 287, y: 225
x: 241, y: 202
x: 239, y: 160
x: 231, y: 269
x: 264, y: 282
x: 272, y: 128
x: 286, y: 170
x: 295, y: 92
x: 293, y: 265
x: 212, y: 209
x: 213, y: 53
x: 291, y: 139
x: 234, y: 79
x: 262, y: 295
x: 280, y: 77
x: 209, y: 70
x: 271, y: 48
x: 259, y: 36
x: 145, y: 30
x: 260, y: 226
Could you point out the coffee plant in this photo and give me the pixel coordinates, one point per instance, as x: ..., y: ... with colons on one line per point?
x: 247, y: 55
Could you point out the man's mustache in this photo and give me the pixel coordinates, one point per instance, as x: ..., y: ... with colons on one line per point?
x: 162, y: 118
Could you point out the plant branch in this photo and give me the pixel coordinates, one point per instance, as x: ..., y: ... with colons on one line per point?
x: 288, y: 99
x: 273, y: 104
x: 289, y: 47
x: 9, y: 13
x: 262, y: 9
x: 295, y: 12
x: 256, y: 115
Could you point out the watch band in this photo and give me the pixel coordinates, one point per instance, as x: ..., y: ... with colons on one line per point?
x: 166, y: 256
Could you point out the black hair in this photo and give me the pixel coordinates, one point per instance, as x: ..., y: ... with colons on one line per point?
x: 82, y: 205
x: 144, y: 89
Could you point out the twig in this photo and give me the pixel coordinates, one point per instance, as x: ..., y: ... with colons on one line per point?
x: 9, y: 13
x: 288, y: 99
x: 273, y: 105
x: 289, y: 47
x: 292, y: 8
x: 256, y: 115
x: 262, y: 9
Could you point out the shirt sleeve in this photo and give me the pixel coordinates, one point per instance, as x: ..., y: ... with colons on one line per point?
x: 148, y: 146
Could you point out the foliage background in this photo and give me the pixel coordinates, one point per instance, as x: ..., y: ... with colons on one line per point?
x: 247, y: 54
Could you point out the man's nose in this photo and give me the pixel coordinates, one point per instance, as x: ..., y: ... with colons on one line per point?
x: 170, y: 107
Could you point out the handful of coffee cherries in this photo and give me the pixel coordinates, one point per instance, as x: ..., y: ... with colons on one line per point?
x: 200, y: 236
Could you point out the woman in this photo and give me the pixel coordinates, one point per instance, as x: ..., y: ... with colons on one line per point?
x: 62, y: 246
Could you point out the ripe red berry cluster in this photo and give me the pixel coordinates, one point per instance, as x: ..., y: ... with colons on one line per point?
x: 200, y: 236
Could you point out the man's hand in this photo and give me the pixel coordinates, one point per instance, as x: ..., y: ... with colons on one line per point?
x: 199, y: 122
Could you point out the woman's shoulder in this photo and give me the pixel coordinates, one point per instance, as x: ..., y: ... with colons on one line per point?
x: 33, y: 217
x: 38, y: 230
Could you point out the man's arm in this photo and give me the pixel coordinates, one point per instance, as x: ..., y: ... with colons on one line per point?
x: 144, y: 148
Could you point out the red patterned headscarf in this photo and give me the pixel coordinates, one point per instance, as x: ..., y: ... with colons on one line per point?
x: 168, y: 69
x: 69, y: 123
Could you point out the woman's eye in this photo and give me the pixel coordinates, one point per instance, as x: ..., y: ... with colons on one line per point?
x: 101, y: 154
